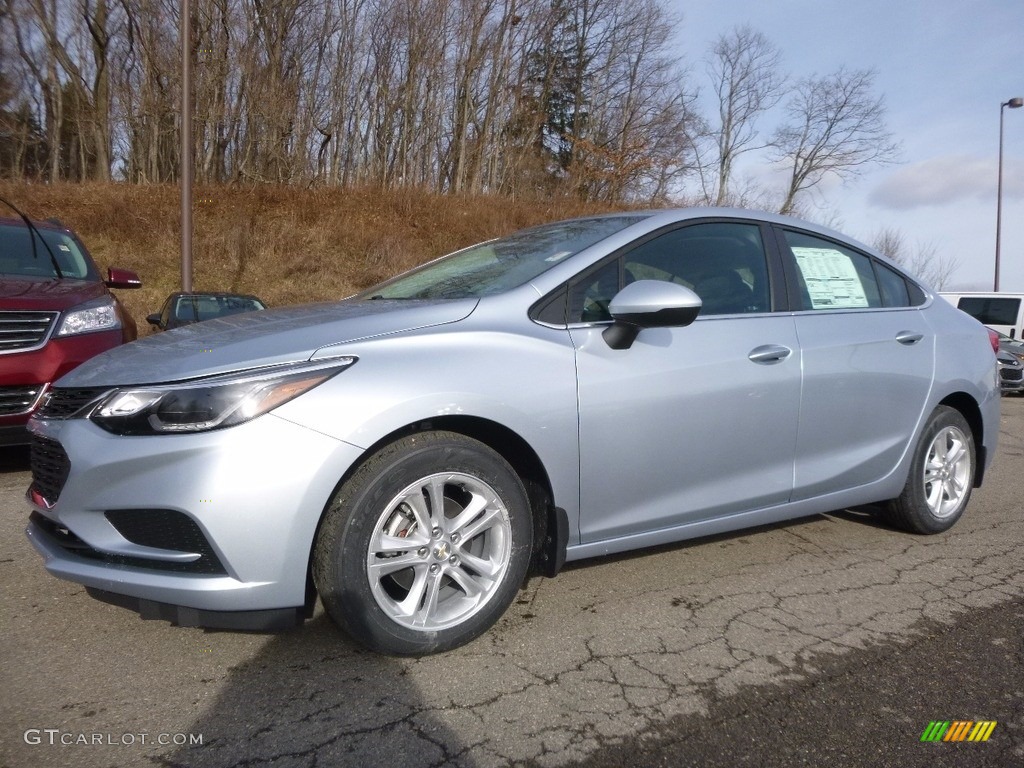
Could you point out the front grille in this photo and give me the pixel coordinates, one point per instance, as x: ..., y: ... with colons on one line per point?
x: 65, y: 402
x: 22, y: 331
x: 68, y: 541
x: 1012, y: 374
x: 50, y: 468
x: 15, y: 400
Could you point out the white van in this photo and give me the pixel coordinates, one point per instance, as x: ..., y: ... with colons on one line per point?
x: 1002, y: 311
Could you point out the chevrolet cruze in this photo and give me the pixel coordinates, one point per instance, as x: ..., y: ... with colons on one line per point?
x: 586, y: 387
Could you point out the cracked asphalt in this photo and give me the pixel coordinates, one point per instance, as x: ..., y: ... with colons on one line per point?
x: 829, y: 640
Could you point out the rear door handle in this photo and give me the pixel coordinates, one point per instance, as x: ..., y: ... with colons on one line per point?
x: 769, y: 354
x: 909, y: 337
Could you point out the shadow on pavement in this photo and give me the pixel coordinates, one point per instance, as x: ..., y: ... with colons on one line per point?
x: 312, y: 697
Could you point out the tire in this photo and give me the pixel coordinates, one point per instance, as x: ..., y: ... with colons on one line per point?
x: 941, y: 476
x: 425, y: 546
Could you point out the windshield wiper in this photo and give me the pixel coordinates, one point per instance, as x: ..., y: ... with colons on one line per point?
x: 32, y: 230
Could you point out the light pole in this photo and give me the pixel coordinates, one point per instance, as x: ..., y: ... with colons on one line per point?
x: 1012, y: 104
x: 186, y: 146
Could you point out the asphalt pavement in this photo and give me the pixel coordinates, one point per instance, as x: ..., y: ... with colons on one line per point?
x: 832, y: 640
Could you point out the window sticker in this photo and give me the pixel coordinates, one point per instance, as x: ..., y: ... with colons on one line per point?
x: 831, y: 277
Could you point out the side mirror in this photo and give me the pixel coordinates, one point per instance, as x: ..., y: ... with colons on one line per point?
x: 649, y: 304
x: 122, y: 278
x: 153, y: 319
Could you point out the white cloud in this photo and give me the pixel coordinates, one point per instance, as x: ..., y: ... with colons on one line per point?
x: 947, y: 179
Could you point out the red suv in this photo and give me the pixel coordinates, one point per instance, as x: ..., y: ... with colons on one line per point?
x: 55, y: 313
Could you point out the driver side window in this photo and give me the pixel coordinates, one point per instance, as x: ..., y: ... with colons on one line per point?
x: 723, y: 262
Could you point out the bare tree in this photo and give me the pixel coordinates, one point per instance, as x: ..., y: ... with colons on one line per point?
x: 638, y: 136
x: 744, y: 70
x: 836, y: 126
x: 145, y: 82
x: 53, y: 40
x: 890, y: 242
x: 39, y: 61
x: 923, y: 261
x: 451, y: 95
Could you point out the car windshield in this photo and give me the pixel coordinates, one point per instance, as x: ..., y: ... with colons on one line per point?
x: 18, y: 258
x: 500, y: 265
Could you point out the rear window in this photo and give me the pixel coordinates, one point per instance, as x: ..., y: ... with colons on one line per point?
x: 991, y: 310
x: 831, y: 276
x: 18, y: 257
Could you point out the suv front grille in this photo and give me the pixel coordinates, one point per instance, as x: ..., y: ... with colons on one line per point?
x: 23, y: 331
x: 15, y: 400
x: 65, y: 402
x: 50, y: 468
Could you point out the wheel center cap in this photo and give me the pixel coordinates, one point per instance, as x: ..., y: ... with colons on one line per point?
x: 442, y: 550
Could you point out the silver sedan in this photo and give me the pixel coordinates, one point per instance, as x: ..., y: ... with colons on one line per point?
x: 582, y: 388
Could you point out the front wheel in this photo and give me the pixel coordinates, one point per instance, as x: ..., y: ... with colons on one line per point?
x: 425, y: 546
x: 941, y: 476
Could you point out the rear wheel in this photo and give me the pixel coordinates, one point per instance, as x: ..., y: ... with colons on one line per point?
x: 941, y: 476
x: 425, y: 546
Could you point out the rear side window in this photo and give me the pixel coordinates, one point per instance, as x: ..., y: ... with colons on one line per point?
x: 991, y: 310
x: 831, y: 276
x: 893, y: 287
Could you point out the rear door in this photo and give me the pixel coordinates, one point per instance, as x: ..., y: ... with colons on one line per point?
x: 868, y: 357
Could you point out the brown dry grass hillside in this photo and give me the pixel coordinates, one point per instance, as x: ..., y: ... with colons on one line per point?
x: 283, y: 244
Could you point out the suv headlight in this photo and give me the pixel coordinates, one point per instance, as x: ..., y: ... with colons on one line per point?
x: 213, y: 402
x: 96, y: 315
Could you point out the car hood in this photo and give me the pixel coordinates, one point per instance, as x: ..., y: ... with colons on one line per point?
x: 25, y: 294
x: 288, y: 334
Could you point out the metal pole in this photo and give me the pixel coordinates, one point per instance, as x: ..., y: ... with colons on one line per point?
x: 186, y: 146
x: 999, y: 197
x: 1015, y: 103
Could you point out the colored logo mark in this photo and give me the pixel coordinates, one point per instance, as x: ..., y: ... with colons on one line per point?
x: 958, y: 730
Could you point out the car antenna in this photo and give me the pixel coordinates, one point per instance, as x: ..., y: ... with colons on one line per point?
x: 33, y: 230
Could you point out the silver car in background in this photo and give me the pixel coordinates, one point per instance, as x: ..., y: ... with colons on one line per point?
x: 582, y: 388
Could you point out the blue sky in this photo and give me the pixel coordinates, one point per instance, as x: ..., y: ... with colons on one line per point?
x: 943, y: 67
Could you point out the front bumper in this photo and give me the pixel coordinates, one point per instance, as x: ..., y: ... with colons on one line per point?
x: 25, y: 377
x: 1011, y: 379
x: 253, y: 621
x: 13, y: 434
x: 183, y: 527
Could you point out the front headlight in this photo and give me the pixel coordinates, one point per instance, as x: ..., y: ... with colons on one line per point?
x: 209, y: 403
x: 96, y: 315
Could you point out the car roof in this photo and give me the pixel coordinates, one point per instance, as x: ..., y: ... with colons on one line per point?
x: 14, y: 221
x: 657, y: 217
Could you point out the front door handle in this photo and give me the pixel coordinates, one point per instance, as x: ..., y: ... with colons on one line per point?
x: 909, y: 337
x: 769, y: 354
